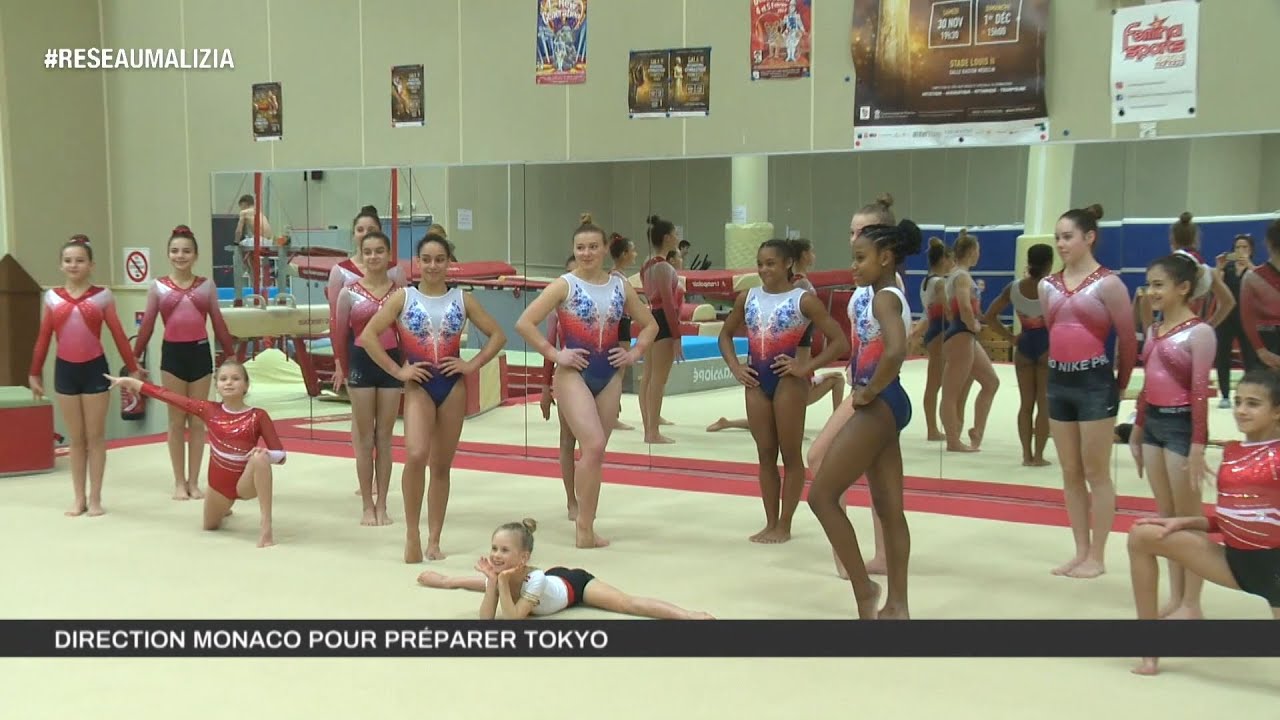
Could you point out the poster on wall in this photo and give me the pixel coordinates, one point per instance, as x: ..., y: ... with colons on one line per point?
x: 268, y: 114
x: 690, y: 87
x: 1153, y: 62
x: 780, y: 38
x: 406, y: 96
x: 949, y: 72
x: 562, y: 42
x: 648, y: 74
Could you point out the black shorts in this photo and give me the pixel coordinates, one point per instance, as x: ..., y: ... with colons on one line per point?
x: 577, y: 578
x: 187, y: 361
x: 1257, y: 572
x: 1168, y: 428
x: 624, y: 330
x: 365, y: 373
x: 83, y: 378
x: 1083, y: 396
x: 664, y: 328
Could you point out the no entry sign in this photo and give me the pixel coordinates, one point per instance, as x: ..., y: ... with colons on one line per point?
x: 137, y: 266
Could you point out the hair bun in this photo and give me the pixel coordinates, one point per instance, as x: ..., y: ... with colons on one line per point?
x: 530, y: 524
x: 585, y: 218
x: 1185, y: 218
x: 936, y: 242
x: 1095, y: 210
x: 653, y: 220
x: 884, y: 200
x: 369, y: 210
x: 912, y: 238
x: 79, y: 239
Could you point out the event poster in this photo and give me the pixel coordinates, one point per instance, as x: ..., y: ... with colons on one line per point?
x: 406, y: 96
x: 690, y: 91
x: 649, y: 74
x: 268, y: 115
x: 562, y: 42
x: 1153, y: 62
x: 781, y: 38
x: 946, y: 72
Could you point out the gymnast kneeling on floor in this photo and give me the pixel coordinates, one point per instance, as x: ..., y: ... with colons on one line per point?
x: 238, y: 468
x: 510, y: 585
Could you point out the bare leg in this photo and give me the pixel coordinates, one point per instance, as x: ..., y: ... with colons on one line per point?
x: 933, y: 384
x: 590, y: 424
x: 606, y: 597
x: 790, y: 401
x: 884, y: 479
x: 727, y: 424
x: 988, y: 385
x: 433, y: 579
x: 216, y: 508
x: 95, y: 422
x: 1153, y: 461
x: 73, y: 416
x: 196, y: 438
x: 568, y: 447
x: 1066, y: 439
x: 661, y: 357
x: 1042, y: 411
x: 955, y: 376
x: 364, y: 403
x: 256, y: 482
x: 1096, y: 445
x: 764, y: 432
x: 388, y: 407
x: 818, y: 450
x: 1026, y: 371
x: 1187, y: 502
x: 444, y: 446
x: 419, y: 426
x: 176, y: 440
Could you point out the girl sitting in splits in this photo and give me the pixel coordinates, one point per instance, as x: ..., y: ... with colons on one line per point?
x: 238, y: 468
x: 520, y: 591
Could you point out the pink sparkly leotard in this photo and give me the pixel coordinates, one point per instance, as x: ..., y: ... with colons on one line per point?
x: 185, y: 312
x: 1176, y: 367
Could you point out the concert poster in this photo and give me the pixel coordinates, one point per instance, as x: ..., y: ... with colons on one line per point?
x: 268, y: 115
x: 690, y: 92
x: 649, y: 74
x: 406, y: 96
x: 781, y: 38
x: 562, y: 42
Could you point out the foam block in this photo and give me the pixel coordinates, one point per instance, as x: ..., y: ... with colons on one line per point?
x: 742, y: 241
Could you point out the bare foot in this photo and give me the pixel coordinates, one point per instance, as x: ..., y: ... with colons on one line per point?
x: 718, y: 425
x: 658, y: 440
x: 431, y: 579
x: 228, y: 513
x: 95, y: 509
x: 369, y: 518
x: 380, y: 517
x: 76, y: 510
x: 1148, y: 666
x: 935, y: 436
x: 778, y: 535
x: 960, y: 447
x: 893, y: 612
x: 1185, y: 613
x: 975, y: 437
x: 700, y: 616
x: 664, y: 421
x: 589, y: 540
x: 266, y: 540
x: 619, y: 425
x: 1035, y: 462
x: 180, y: 492
x: 434, y: 552
x: 193, y: 491
x: 877, y: 566
x: 573, y: 512
x: 413, y: 550
x: 1067, y: 567
x: 1087, y: 570
x: 868, y: 607
x: 759, y: 537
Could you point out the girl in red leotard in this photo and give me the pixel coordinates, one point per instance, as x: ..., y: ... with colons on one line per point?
x: 186, y: 302
x: 75, y: 313
x: 238, y: 468
x: 1248, y: 515
x: 661, y: 287
x: 1260, y: 303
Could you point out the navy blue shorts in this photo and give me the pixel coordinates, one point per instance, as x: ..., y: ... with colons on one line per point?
x: 84, y: 378
x: 1083, y: 395
x: 365, y: 373
x: 1168, y: 428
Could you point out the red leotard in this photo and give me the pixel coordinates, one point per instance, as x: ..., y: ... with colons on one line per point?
x: 77, y: 322
x: 232, y: 435
x: 1177, y: 365
x: 653, y: 277
x: 1260, y: 302
x: 1080, y: 320
x: 185, y: 311
x: 1248, y: 513
x: 356, y: 306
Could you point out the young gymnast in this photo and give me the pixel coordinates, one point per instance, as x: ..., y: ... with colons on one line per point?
x: 75, y: 314
x: 965, y: 359
x: 868, y: 443
x: 776, y: 381
x: 518, y: 591
x: 238, y: 468
x: 930, y: 329
x: 1184, y: 238
x: 374, y: 393
x: 1082, y: 305
x: 589, y: 303
x: 1170, y: 429
x: 1030, y: 352
x: 186, y: 302
x: 1260, y: 303
x: 661, y: 287
x: 428, y: 319
x: 1233, y: 266
x: 1247, y: 516
x: 623, y: 252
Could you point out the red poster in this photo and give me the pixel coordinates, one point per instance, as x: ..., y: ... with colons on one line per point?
x: 781, y: 38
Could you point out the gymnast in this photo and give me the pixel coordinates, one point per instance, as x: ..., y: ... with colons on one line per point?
x: 932, y: 325
x: 661, y: 288
x: 589, y: 303
x: 75, y: 314
x: 869, y: 442
x: 186, y: 302
x: 568, y: 443
x: 776, y: 381
x: 429, y: 319
x: 1247, y: 516
x: 1030, y: 352
x: 519, y: 591
x: 1170, y: 427
x: 1260, y: 303
x: 374, y: 393
x: 965, y: 359
x: 1082, y: 305
x: 1184, y: 239
x: 623, y: 252
x: 238, y: 468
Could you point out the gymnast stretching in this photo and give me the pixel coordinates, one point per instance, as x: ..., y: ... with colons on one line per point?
x: 776, y: 381
x: 428, y: 319
x: 510, y: 585
x: 589, y: 303
x: 1247, y: 515
x: 186, y: 302
x: 238, y: 468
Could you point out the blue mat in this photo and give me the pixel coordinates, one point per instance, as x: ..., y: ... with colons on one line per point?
x: 700, y: 347
x: 228, y: 294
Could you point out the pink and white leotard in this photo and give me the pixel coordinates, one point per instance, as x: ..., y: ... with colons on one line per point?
x: 185, y: 312
x: 77, y: 322
x: 1081, y: 319
x: 1176, y: 373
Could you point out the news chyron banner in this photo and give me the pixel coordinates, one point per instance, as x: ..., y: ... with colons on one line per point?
x: 949, y: 72
x: 1153, y: 62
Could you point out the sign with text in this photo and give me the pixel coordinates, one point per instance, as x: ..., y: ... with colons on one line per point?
x: 949, y: 72
x: 137, y: 266
x: 1153, y: 62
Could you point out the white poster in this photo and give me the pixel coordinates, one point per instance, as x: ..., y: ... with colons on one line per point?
x: 1153, y: 62
x: 464, y: 219
x: 137, y: 266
